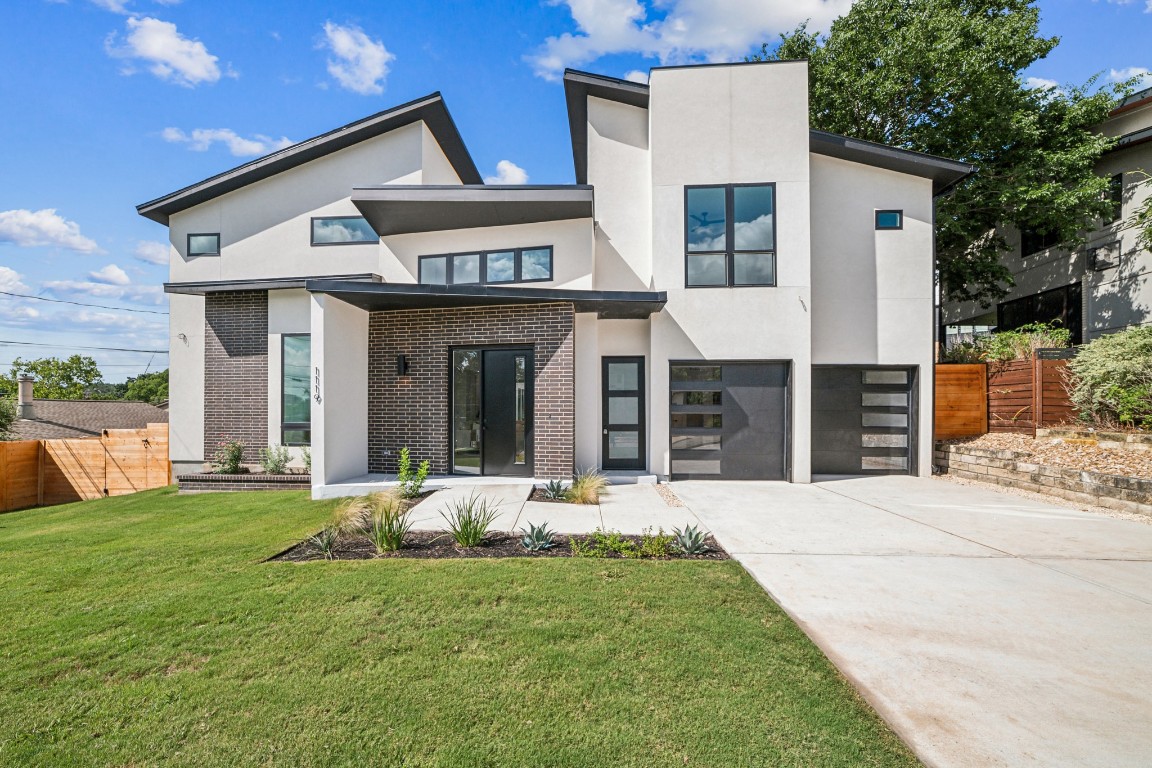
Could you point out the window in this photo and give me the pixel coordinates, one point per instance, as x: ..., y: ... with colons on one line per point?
x: 889, y: 219
x: 1061, y: 305
x: 1115, y: 196
x: 1033, y: 241
x: 204, y: 245
x: 342, y: 230
x: 514, y: 265
x: 296, y: 389
x: 730, y: 235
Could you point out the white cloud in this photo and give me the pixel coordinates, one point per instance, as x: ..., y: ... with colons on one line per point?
x: 639, y: 76
x: 1040, y: 83
x: 44, y: 227
x: 115, y: 6
x: 10, y: 281
x: 507, y: 172
x: 200, y: 139
x: 111, y: 274
x: 167, y: 54
x: 142, y: 294
x: 151, y: 252
x: 1120, y: 75
x: 360, y: 64
x: 691, y: 30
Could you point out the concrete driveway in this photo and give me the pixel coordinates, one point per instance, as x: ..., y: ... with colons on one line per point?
x: 987, y: 629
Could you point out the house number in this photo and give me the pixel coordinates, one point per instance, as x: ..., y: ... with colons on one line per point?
x: 316, y: 386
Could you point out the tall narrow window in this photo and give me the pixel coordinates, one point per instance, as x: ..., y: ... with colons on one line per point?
x: 1115, y: 196
x: 730, y: 235
x: 296, y: 389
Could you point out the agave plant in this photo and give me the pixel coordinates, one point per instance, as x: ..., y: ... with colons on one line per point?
x: 325, y: 541
x: 556, y: 490
x: 537, y: 538
x: 690, y: 541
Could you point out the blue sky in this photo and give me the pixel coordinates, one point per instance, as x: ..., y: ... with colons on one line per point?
x: 109, y: 103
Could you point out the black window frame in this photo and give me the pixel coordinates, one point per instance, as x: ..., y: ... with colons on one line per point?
x: 730, y: 251
x: 1012, y: 314
x: 286, y: 426
x: 517, y: 271
x: 1115, y: 196
x: 898, y: 211
x: 1033, y: 241
x: 188, y: 244
x: 312, y: 232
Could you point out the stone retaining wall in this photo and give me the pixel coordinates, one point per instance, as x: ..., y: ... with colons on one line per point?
x: 1127, y: 494
x: 208, y: 482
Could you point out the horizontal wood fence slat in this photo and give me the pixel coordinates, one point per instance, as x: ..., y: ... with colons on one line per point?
x: 1026, y: 394
x: 46, y: 472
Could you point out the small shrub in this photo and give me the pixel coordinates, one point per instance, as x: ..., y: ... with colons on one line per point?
x: 306, y: 454
x: 388, y: 524
x: 229, y: 454
x: 690, y: 541
x: 556, y: 490
x: 963, y: 352
x: 1110, y: 381
x: 469, y: 519
x: 325, y: 541
x: 586, y: 487
x: 537, y: 538
x: 411, y: 483
x: 603, y: 543
x: 274, y: 459
x: 1019, y: 344
x: 657, y: 544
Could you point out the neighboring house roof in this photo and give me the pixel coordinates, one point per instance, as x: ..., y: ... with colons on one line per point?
x: 430, y: 109
x: 85, y: 418
x: 578, y: 86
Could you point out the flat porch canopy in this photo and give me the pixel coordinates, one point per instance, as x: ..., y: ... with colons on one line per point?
x: 398, y: 209
x: 376, y: 297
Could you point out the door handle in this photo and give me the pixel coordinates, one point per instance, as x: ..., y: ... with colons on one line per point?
x: 605, y: 431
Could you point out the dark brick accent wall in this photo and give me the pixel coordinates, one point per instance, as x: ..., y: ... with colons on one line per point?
x: 236, y: 371
x: 413, y: 411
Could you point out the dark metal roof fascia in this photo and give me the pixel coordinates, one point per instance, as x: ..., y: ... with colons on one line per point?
x: 578, y: 86
x: 944, y: 173
x: 200, y: 288
x: 429, y: 109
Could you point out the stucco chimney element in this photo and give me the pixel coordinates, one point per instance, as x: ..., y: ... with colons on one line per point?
x: 24, y: 397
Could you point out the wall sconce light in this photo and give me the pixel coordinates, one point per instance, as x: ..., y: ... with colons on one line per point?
x: 401, y: 365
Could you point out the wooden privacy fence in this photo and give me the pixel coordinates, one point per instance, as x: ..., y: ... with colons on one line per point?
x: 961, y: 400
x: 45, y: 472
x: 1026, y: 394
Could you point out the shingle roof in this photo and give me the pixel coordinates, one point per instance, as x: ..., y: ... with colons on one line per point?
x: 85, y: 418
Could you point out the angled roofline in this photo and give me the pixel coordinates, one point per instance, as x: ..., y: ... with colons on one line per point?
x: 578, y: 86
x: 431, y: 110
x: 1132, y: 101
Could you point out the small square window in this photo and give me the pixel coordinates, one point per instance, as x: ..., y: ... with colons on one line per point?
x: 204, y: 245
x: 889, y: 219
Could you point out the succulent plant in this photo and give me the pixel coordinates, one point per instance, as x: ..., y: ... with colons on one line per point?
x: 537, y: 538
x: 690, y: 541
x: 556, y: 490
x: 325, y: 541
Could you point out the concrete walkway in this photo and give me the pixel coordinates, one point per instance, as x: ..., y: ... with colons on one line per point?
x: 987, y: 629
x: 624, y: 508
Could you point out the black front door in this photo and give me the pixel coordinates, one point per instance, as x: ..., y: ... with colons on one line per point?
x: 492, y: 411
x: 623, y: 415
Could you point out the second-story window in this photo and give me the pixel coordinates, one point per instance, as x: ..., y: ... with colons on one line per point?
x: 1034, y: 240
x: 514, y: 265
x: 205, y: 244
x: 342, y: 230
x: 730, y: 235
x: 1115, y: 196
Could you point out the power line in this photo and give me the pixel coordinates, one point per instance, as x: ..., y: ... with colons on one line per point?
x: 102, y: 365
x: 77, y: 346
x: 81, y: 303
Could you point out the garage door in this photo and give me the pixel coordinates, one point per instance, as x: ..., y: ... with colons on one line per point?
x: 863, y: 420
x: 729, y: 421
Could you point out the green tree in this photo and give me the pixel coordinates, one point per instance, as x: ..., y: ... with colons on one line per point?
x: 945, y: 77
x: 56, y: 379
x: 7, y: 416
x: 148, y: 387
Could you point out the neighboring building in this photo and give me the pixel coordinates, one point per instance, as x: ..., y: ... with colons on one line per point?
x: 1102, y: 286
x: 51, y: 419
x: 724, y: 293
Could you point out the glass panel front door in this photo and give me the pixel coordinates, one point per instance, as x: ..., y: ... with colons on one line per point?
x: 623, y: 413
x: 492, y: 393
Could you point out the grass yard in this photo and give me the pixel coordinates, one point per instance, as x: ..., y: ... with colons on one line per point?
x: 145, y: 630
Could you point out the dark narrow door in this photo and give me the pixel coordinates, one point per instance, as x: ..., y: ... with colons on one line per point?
x: 623, y: 416
x: 507, y: 412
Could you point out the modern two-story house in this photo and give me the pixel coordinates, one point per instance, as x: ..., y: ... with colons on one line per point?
x: 723, y: 293
x: 1101, y: 286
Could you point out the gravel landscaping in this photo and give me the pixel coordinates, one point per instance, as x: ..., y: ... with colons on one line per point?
x: 1109, y: 461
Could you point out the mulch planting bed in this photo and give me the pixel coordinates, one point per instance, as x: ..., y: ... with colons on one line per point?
x: 539, y: 495
x: 434, y: 544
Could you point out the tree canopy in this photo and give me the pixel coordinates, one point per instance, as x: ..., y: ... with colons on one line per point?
x: 945, y: 77
x: 78, y: 377
x: 148, y: 387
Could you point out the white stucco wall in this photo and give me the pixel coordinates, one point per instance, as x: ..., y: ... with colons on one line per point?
x: 340, y: 408
x: 186, y: 382
x: 718, y: 125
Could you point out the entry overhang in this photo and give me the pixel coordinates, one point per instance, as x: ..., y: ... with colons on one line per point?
x: 394, y: 209
x: 376, y: 297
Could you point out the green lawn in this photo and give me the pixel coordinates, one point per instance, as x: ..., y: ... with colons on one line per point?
x: 145, y: 630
